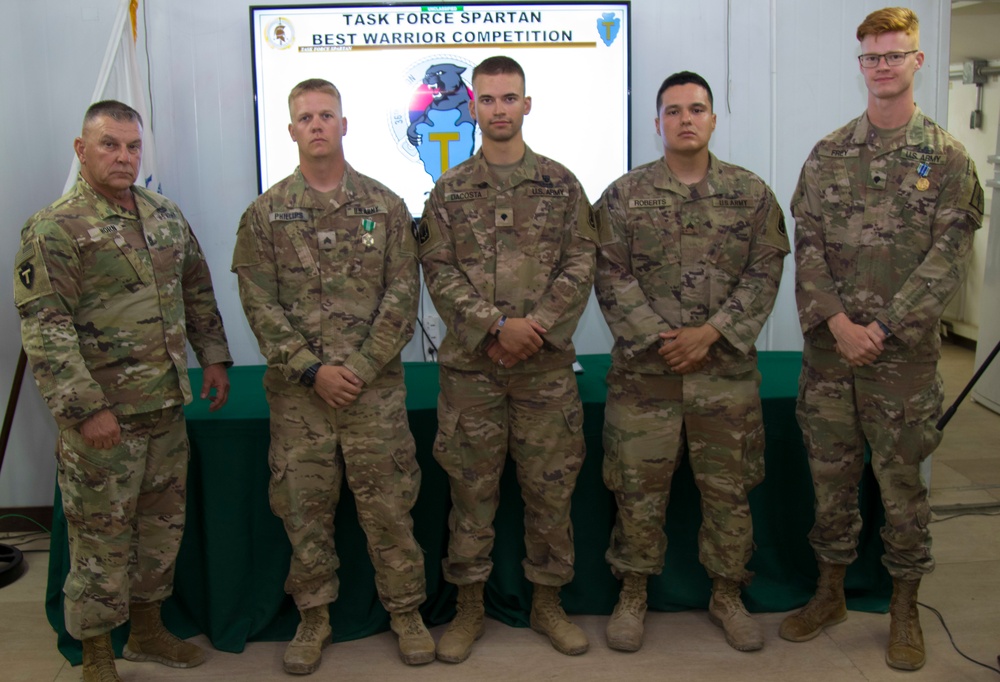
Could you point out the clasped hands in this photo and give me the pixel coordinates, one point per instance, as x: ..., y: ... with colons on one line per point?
x: 859, y: 345
x: 519, y: 339
x: 685, y: 350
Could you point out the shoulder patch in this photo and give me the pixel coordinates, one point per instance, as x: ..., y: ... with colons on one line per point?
x: 775, y: 233
x: 427, y: 233
x: 605, y: 234
x: 31, y: 277
x: 247, y: 250
x: 586, y: 223
x: 977, y: 200
x: 421, y: 232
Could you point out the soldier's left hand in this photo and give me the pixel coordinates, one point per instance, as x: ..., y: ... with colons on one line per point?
x: 215, y: 376
x: 686, y: 349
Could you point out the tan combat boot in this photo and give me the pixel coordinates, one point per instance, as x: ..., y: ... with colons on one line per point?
x: 468, y: 626
x: 548, y: 618
x: 827, y: 607
x: 416, y: 646
x: 625, y: 626
x: 305, y: 652
x: 99, y: 660
x: 726, y: 610
x: 148, y: 640
x: 906, y: 641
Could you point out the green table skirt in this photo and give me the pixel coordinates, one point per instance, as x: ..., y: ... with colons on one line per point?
x: 234, y: 556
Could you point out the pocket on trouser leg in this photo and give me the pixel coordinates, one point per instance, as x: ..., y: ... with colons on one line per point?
x: 277, y: 489
x: 84, y: 479
x: 753, y: 458
x: 618, y: 476
x: 90, y: 613
x: 921, y: 410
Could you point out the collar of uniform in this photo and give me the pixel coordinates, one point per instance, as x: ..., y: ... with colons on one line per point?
x: 528, y: 170
x: 346, y: 192
x: 105, y: 209
x: 713, y: 183
x: 865, y: 133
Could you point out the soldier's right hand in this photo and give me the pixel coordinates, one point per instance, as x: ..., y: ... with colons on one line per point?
x: 337, y: 385
x: 101, y: 430
x: 521, y: 337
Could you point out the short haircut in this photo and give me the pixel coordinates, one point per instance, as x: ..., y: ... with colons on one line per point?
x: 314, y: 85
x: 683, y: 78
x: 889, y: 20
x: 494, y: 66
x: 112, y: 109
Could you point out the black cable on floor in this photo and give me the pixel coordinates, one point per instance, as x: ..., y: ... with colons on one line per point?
x: 955, y: 646
x: 968, y: 513
x: 25, y: 539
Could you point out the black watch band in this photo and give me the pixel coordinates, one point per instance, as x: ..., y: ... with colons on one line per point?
x: 308, y: 377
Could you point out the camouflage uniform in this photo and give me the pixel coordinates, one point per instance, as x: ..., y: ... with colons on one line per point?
x: 675, y: 256
x: 336, y: 284
x: 522, y: 247
x: 107, y: 302
x: 876, y: 241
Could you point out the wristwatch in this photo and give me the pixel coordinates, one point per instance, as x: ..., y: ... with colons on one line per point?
x: 500, y: 323
x: 308, y: 378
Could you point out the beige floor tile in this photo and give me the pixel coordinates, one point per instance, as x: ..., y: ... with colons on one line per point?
x: 985, y: 471
x: 965, y: 539
x: 944, y: 476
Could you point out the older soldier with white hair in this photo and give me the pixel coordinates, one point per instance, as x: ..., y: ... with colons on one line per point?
x: 110, y: 284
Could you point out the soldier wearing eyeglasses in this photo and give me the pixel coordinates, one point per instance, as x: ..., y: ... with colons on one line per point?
x: 885, y: 212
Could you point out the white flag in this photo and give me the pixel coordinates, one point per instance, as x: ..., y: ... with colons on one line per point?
x: 119, y: 79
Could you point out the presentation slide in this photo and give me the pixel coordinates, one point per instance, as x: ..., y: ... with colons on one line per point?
x: 405, y: 75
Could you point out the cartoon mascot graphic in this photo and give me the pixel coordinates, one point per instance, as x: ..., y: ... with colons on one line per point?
x: 441, y: 128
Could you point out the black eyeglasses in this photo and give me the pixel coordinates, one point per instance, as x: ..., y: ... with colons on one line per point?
x: 870, y: 61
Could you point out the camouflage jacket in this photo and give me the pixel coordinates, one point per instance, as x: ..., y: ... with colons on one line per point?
x: 523, y: 247
x: 676, y: 256
x: 336, y: 284
x: 894, y: 248
x: 103, y: 320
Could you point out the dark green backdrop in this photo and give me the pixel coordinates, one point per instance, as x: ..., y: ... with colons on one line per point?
x: 235, y: 554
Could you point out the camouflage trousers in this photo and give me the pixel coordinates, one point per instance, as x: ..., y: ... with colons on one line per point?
x: 648, y: 419
x: 892, y: 406
x: 124, y: 511
x: 538, y: 418
x: 312, y: 446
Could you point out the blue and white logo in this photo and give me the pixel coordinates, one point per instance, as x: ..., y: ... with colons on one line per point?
x: 608, y: 26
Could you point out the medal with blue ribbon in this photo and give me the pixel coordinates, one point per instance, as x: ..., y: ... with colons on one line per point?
x: 923, y: 170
